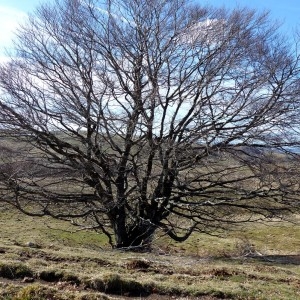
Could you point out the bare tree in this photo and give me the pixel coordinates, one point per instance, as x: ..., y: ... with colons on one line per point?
x: 138, y: 115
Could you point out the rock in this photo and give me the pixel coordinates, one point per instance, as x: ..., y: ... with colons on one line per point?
x: 32, y: 245
x: 28, y: 279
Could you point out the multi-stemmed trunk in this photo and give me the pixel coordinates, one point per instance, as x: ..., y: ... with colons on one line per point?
x: 135, y: 236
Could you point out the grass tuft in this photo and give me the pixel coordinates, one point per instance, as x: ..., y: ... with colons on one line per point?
x: 138, y: 264
x: 55, y: 276
x: 36, y: 292
x: 14, y: 271
x: 114, y: 284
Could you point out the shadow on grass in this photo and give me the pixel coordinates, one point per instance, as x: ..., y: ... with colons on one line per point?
x: 279, y: 259
x: 292, y: 259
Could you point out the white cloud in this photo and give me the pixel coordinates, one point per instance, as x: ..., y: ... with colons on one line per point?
x: 209, y: 31
x: 9, y: 20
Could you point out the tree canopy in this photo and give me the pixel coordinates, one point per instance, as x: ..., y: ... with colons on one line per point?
x: 134, y: 116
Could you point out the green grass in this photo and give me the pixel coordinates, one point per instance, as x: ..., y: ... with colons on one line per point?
x: 21, y: 229
x: 270, y: 239
x: 79, y: 265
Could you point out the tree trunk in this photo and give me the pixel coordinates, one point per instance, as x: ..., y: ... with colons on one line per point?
x: 135, y: 237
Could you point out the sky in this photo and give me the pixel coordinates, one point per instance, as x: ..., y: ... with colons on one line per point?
x: 287, y: 11
x: 14, y: 11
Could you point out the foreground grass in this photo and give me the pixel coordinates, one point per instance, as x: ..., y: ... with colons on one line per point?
x: 44, y: 259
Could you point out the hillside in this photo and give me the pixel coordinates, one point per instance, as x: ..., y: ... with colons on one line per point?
x: 47, y: 259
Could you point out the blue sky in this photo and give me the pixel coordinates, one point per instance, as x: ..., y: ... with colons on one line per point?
x: 287, y: 11
x: 14, y: 11
x: 11, y: 13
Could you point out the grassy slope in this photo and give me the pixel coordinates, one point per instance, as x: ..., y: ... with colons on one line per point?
x: 80, y: 265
